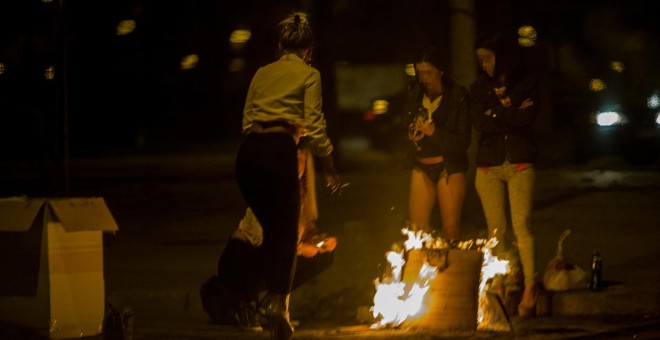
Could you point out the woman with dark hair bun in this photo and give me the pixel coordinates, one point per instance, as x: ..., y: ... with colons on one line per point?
x: 505, y: 105
x: 283, y: 104
x: 439, y: 134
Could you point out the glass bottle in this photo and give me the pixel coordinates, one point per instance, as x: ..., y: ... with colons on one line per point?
x: 596, y: 271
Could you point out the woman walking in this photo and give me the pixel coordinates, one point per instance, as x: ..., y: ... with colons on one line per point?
x: 283, y: 103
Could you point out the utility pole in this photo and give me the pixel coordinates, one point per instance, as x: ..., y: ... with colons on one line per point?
x: 61, y: 150
x: 62, y: 101
x: 463, y: 35
x: 463, y: 68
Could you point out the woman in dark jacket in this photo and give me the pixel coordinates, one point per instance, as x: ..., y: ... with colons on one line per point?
x: 439, y: 132
x: 504, y: 107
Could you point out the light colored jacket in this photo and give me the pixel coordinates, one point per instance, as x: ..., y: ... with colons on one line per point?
x: 289, y: 90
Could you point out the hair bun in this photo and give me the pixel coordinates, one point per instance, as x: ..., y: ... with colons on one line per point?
x: 295, y: 32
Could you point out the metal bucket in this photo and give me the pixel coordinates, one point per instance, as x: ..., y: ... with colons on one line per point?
x: 452, y: 300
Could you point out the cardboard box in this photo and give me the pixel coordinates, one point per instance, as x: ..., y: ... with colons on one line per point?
x: 51, y: 264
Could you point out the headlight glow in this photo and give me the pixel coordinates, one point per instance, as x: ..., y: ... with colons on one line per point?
x: 609, y: 118
x: 657, y: 118
x: 653, y: 102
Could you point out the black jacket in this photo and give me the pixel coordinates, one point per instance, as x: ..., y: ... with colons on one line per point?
x: 451, y: 138
x: 506, y: 134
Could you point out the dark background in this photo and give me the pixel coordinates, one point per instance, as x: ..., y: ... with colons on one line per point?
x: 127, y: 94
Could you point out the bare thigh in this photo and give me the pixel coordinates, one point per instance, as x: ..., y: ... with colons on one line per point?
x: 451, y: 194
x: 422, y: 199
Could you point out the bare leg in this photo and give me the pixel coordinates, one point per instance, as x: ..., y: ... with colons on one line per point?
x: 451, y: 193
x: 421, y: 200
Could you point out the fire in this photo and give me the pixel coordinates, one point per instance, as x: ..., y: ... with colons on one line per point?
x: 416, y: 239
x: 395, y: 300
x: 491, y: 267
x: 398, y: 300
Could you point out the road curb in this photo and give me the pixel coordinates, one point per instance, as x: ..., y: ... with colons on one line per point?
x: 614, y: 300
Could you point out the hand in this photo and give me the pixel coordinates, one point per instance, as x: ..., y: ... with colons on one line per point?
x: 331, y: 176
x: 414, y: 134
x: 499, y: 91
x: 334, y: 183
x: 506, y: 101
x: 426, y: 127
x: 312, y: 249
x: 526, y: 103
x: 329, y: 245
x: 308, y: 250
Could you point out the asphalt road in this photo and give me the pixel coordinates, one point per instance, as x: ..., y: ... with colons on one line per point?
x: 181, y: 223
x: 176, y: 213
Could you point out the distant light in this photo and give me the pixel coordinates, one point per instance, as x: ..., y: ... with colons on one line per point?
x: 609, y: 118
x: 410, y: 70
x: 596, y: 85
x: 236, y: 65
x: 653, y: 102
x: 189, y: 62
x: 49, y: 73
x: 369, y: 116
x: 527, y: 36
x: 47, y: 1
x: 657, y: 118
x: 380, y: 106
x: 527, y: 32
x: 240, y: 36
x: 617, y: 66
x: 126, y: 27
x: 2, y: 68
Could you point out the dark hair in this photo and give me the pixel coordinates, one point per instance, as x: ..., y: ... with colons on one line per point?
x: 434, y: 56
x: 295, y: 32
x: 506, y: 52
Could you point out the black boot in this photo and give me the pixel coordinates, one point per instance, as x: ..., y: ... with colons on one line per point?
x: 246, y: 316
x: 275, y: 307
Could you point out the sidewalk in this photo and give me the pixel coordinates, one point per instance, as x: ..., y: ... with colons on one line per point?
x: 622, y: 305
x: 178, y: 315
x: 156, y: 263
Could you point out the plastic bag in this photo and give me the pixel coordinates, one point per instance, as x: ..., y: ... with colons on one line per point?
x: 561, y: 275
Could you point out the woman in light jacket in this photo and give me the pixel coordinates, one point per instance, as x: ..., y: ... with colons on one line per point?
x: 283, y: 103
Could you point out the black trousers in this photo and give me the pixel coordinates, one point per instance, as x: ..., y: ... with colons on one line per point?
x: 267, y: 175
x: 240, y: 261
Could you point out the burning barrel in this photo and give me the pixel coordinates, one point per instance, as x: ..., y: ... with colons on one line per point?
x: 452, y: 301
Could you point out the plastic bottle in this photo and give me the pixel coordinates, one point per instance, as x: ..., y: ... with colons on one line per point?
x: 596, y: 272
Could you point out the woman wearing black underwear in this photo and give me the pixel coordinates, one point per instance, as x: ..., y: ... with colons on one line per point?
x: 439, y: 131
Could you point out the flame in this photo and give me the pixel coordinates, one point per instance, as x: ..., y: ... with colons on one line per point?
x: 491, y: 267
x: 416, y: 239
x: 397, y: 301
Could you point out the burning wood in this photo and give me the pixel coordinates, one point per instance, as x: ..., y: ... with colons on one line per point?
x: 427, y: 274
